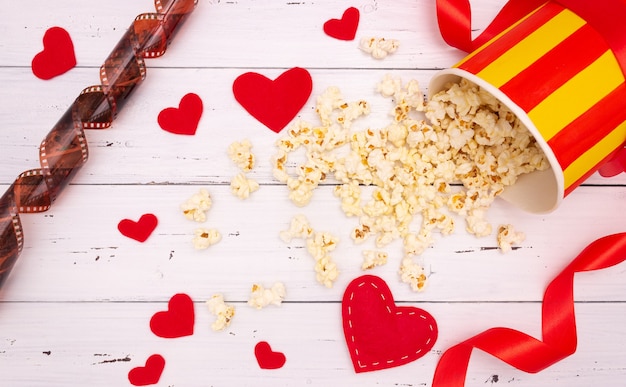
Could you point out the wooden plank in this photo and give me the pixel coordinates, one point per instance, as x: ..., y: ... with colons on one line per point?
x: 238, y: 34
x: 132, y: 151
x: 74, y: 252
x: 99, y: 343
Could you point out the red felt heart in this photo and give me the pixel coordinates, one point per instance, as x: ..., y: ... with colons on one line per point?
x: 614, y: 166
x: 177, y: 321
x: 140, y: 230
x: 57, y: 56
x: 185, y: 118
x: 268, y: 359
x: 150, y: 374
x: 274, y: 102
x: 344, y: 28
x: 380, y: 334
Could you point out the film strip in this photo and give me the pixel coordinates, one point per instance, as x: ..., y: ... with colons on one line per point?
x: 64, y: 150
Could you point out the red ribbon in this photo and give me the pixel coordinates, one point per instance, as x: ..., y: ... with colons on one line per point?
x: 558, y: 322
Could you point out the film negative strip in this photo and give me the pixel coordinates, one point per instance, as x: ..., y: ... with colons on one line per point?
x: 64, y: 150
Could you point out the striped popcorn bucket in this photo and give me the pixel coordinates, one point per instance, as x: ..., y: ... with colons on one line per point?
x: 557, y: 71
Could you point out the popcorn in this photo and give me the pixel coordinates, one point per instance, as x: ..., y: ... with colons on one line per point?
x: 318, y: 245
x: 298, y: 228
x: 222, y: 311
x: 204, y: 238
x: 422, y: 172
x: 476, y: 223
x: 240, y: 153
x: 507, y: 237
x: 379, y: 48
x: 413, y: 274
x: 242, y: 187
x: 195, y: 208
x: 372, y: 258
x: 350, y: 195
x: 262, y: 297
x: 318, y: 142
x: 326, y: 271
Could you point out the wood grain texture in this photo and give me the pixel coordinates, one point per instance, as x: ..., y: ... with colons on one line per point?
x: 76, y: 308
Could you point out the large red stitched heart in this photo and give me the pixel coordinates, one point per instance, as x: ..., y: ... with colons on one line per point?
x: 57, y: 56
x: 140, y: 230
x: 380, y: 334
x: 267, y: 358
x: 149, y: 374
x: 344, y: 28
x: 185, y: 118
x: 274, y: 102
x: 177, y: 321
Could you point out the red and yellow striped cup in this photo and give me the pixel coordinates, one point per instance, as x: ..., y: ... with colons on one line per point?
x: 558, y: 74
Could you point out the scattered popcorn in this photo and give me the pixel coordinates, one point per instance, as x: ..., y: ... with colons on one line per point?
x: 204, y: 238
x: 326, y: 271
x: 372, y: 258
x: 350, y: 195
x: 222, y: 311
x: 318, y: 244
x: 507, y: 237
x: 476, y: 223
x: 379, y: 48
x: 242, y: 187
x: 262, y: 297
x: 240, y: 153
x: 298, y: 228
x: 413, y: 274
x: 195, y: 208
x: 421, y: 172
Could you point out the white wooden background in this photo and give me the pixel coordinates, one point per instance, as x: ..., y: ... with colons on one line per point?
x: 76, y: 307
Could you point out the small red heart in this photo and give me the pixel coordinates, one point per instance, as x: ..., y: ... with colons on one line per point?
x: 140, y: 230
x: 344, y: 28
x: 185, y: 118
x: 268, y: 359
x: 177, y: 321
x: 57, y: 56
x: 274, y: 102
x: 615, y: 165
x: 380, y: 334
x: 150, y: 374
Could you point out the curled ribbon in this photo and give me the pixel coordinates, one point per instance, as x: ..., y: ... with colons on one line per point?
x: 558, y: 322
x: 64, y: 150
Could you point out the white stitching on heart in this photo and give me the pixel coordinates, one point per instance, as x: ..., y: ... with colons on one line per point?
x: 352, y: 338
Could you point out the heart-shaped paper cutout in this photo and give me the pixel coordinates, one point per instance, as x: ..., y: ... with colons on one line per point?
x: 149, y: 374
x: 185, y: 118
x: 615, y: 165
x: 57, y: 56
x: 267, y: 358
x: 140, y: 230
x: 177, y: 321
x: 344, y: 28
x: 274, y: 102
x: 380, y: 334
